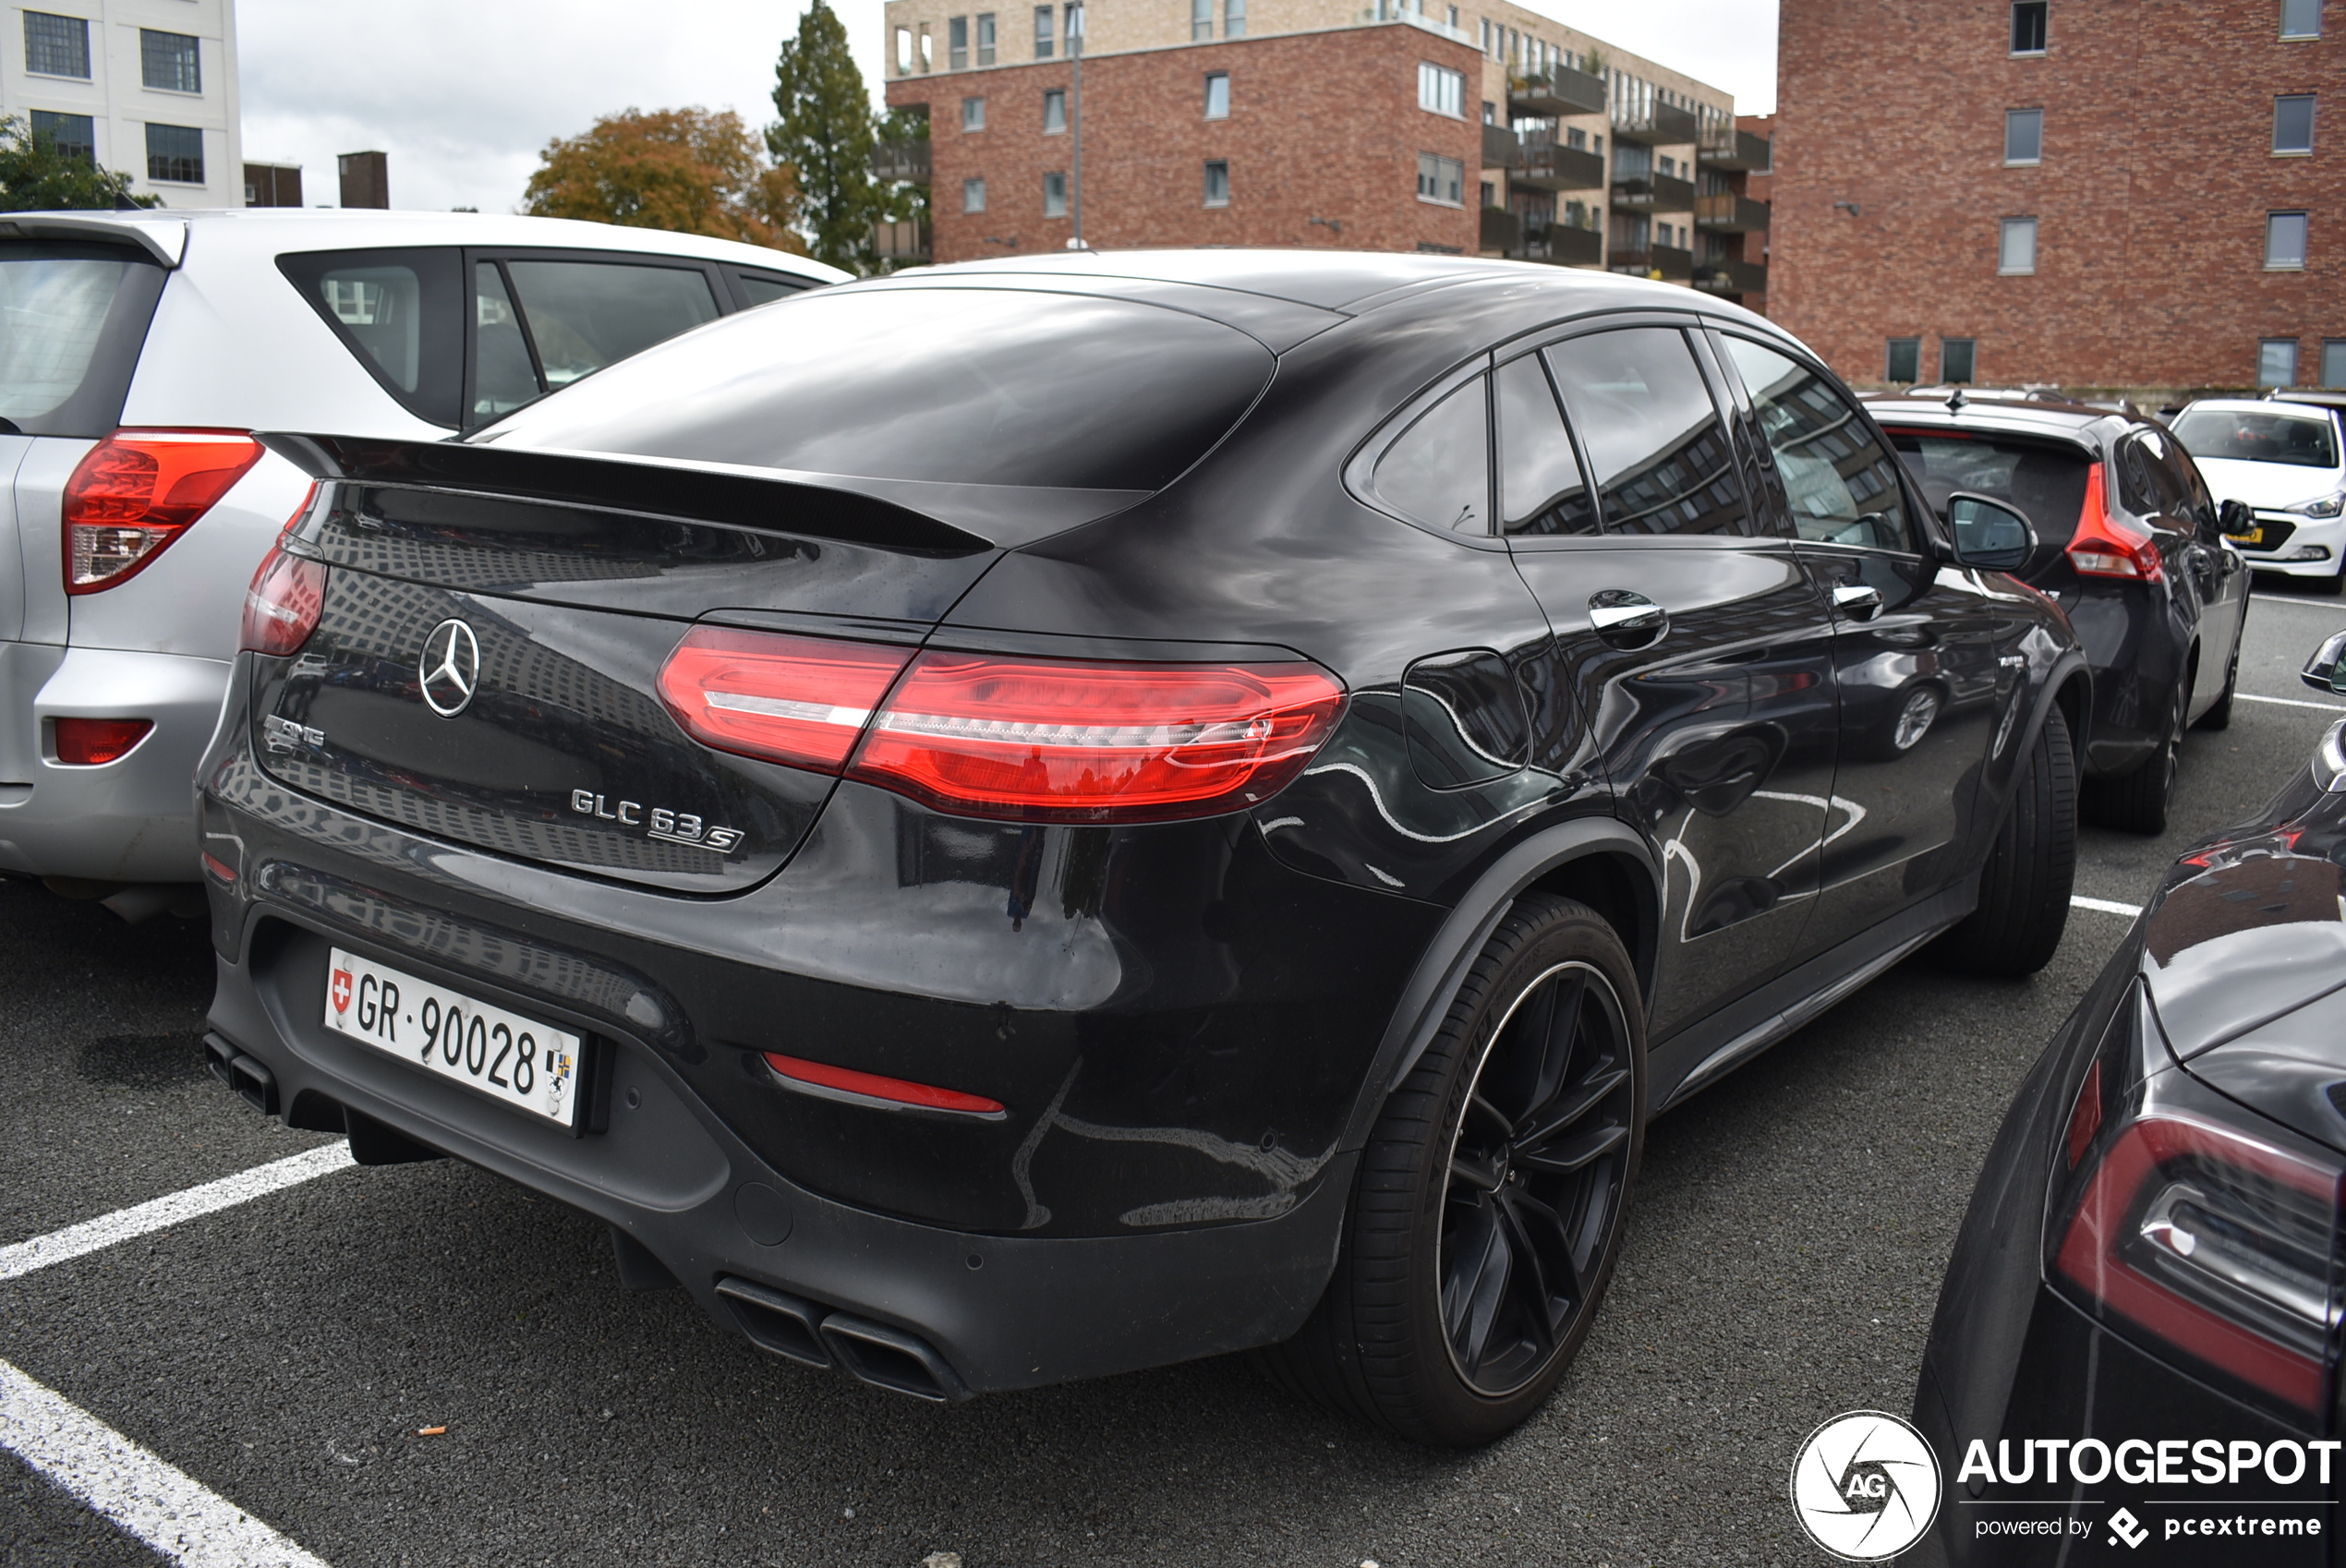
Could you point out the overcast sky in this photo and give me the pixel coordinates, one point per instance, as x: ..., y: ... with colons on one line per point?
x: 464, y: 94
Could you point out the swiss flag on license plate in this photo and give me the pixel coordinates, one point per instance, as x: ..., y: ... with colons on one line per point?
x: 342, y: 991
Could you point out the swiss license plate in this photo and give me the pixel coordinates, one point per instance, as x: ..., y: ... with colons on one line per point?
x: 517, y: 1061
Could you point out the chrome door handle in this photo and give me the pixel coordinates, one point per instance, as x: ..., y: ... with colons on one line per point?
x: 1627, y: 620
x: 1858, y: 601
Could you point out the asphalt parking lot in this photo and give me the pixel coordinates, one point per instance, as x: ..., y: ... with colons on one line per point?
x: 286, y: 1352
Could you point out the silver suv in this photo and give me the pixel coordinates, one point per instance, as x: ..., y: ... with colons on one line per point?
x: 139, y: 351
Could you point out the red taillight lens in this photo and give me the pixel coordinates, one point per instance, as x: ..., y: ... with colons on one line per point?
x: 93, y: 742
x: 872, y: 1086
x: 1046, y: 739
x: 2108, y: 546
x: 796, y: 700
x: 2215, y: 1241
x: 137, y: 491
x: 282, y: 606
x: 2085, y: 1117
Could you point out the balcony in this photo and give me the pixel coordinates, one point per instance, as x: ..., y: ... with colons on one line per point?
x: 1664, y: 126
x: 1732, y: 277
x: 1500, y: 148
x: 1561, y: 92
x: 1727, y: 214
x: 1654, y: 193
x: 1664, y: 262
x: 1734, y: 150
x: 901, y: 161
x: 1502, y: 231
x: 900, y: 243
x: 1560, y: 246
x: 1550, y: 167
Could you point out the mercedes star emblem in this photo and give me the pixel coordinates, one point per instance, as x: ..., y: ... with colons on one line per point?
x: 450, y: 667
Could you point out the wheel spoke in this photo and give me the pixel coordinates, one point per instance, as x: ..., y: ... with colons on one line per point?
x: 1500, y: 1123
x: 1479, y: 1175
x: 1553, y: 1061
x: 1577, y: 1151
x: 1574, y: 1104
x: 1535, y: 1217
x: 1480, y: 1266
x: 1529, y: 1275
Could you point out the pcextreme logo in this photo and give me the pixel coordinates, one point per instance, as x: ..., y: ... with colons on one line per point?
x: 1865, y: 1486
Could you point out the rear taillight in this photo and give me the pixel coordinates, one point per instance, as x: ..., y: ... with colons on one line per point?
x: 137, y: 491
x: 93, y: 742
x: 873, y: 1086
x: 1016, y: 738
x: 2107, y: 545
x: 288, y: 594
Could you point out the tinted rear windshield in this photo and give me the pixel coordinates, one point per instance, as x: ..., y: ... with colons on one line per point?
x: 72, y: 319
x: 2304, y: 441
x: 967, y: 386
x: 2045, y: 480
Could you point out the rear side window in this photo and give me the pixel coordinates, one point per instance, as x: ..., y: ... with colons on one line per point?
x: 2304, y: 441
x: 1542, y: 489
x: 398, y: 312
x: 585, y: 315
x: 764, y: 288
x: 73, y: 319
x: 1653, y: 437
x: 2045, y: 480
x: 966, y: 385
x: 1438, y: 473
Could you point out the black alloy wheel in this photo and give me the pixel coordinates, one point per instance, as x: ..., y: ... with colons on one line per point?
x: 2138, y: 802
x: 2220, y: 713
x: 2031, y: 867
x: 1489, y: 1205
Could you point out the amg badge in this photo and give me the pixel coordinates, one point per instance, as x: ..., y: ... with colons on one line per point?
x: 658, y: 822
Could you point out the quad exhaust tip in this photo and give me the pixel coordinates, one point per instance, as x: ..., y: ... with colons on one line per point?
x: 816, y: 1336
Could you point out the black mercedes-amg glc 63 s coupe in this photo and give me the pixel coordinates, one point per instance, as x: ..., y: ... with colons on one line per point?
x: 1023, y: 821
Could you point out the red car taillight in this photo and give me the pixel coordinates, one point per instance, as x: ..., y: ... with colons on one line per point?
x: 137, y: 491
x: 288, y: 594
x: 2107, y: 545
x: 1013, y: 737
x: 93, y: 742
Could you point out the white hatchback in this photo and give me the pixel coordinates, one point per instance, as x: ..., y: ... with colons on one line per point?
x: 139, y: 350
x: 2286, y: 461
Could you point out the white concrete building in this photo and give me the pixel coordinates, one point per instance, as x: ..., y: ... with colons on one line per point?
x: 149, y: 87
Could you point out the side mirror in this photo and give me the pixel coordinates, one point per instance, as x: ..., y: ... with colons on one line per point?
x: 2236, y: 518
x: 1989, y: 534
x: 2326, y: 672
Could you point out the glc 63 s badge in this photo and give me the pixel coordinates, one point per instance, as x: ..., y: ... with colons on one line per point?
x: 658, y: 822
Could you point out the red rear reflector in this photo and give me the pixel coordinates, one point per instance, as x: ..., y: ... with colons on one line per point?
x: 2085, y: 1117
x: 1052, y: 740
x: 288, y: 594
x: 872, y: 1086
x: 93, y: 742
x: 2108, y: 546
x: 137, y: 491
x: 796, y: 700
x: 219, y: 867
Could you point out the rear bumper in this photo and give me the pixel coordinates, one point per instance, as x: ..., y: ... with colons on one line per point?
x: 132, y: 820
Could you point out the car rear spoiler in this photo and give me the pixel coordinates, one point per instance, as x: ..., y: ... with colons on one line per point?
x: 166, y: 239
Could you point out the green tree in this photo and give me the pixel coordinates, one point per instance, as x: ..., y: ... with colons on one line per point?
x: 826, y: 134
x: 689, y: 170
x: 36, y: 177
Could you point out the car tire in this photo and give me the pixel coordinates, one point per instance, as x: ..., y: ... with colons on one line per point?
x: 2023, y: 889
x: 1487, y: 1209
x: 2220, y: 713
x: 2330, y: 583
x: 2140, y: 801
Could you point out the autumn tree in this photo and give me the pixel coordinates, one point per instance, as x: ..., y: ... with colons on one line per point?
x: 37, y: 177
x: 689, y: 170
x: 826, y: 134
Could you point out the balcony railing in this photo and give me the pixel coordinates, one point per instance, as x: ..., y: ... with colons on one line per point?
x: 901, y: 161
x: 1664, y: 126
x: 1502, y: 231
x: 1560, y: 245
x: 1560, y: 91
x: 1732, y: 277
x: 1728, y: 149
x: 1728, y: 213
x: 903, y: 241
x: 1501, y: 149
x: 1654, y: 193
x: 1549, y: 167
x: 1664, y: 262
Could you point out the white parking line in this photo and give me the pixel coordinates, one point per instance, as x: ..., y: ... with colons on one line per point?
x: 195, y: 1202
x: 2289, y: 702
x: 163, y: 1505
x: 2104, y: 905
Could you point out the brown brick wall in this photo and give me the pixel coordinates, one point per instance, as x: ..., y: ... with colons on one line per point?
x: 1320, y: 126
x: 2150, y: 201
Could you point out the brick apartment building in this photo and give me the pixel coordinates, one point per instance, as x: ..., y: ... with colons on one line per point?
x: 1467, y: 129
x: 2106, y: 194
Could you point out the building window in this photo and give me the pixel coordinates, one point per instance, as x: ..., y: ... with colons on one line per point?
x: 1200, y: 19
x: 2334, y: 362
x: 974, y: 195
x: 2277, y: 362
x: 1218, y: 95
x: 1440, y: 90
x: 1217, y: 184
x: 1957, y: 359
x: 1055, y: 112
x: 1042, y: 33
x: 2284, y: 241
x: 973, y: 114
x: 175, y: 153
x: 927, y: 52
x: 2028, y: 26
x: 957, y: 44
x: 57, y: 46
x: 903, y: 51
x: 2301, y: 18
x: 2024, y: 135
x: 2293, y: 123
x: 73, y: 135
x: 1055, y: 195
x: 1234, y: 18
x: 1902, y: 363
x: 1071, y: 31
x: 1441, y: 179
x: 986, y: 38
x: 2016, y: 246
